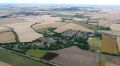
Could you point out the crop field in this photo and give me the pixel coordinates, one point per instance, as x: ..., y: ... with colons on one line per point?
x: 118, y: 42
x: 73, y: 27
x: 16, y: 60
x: 74, y: 56
x: 6, y: 37
x: 48, y: 18
x: 48, y: 24
x: 43, y: 18
x: 36, y: 53
x: 24, y: 31
x: 94, y: 43
x: 115, y: 27
x: 11, y: 21
x: 109, y: 45
x: 64, y: 15
x: 102, y: 62
x: 23, y: 26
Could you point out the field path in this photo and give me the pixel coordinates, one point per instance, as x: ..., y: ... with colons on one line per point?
x: 4, y: 64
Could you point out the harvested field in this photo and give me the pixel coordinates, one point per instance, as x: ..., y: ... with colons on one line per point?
x: 10, y: 21
x: 43, y: 18
x: 75, y: 56
x: 73, y: 27
x: 4, y: 29
x: 48, y: 18
x: 48, y: 24
x: 105, y: 23
x: 116, y: 33
x: 6, y: 37
x: 115, y: 27
x: 24, y: 31
x: 109, y: 45
x: 23, y: 26
x: 4, y: 64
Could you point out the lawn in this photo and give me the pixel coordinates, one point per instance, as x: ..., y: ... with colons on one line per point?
x: 16, y: 60
x: 94, y: 43
x: 36, y: 53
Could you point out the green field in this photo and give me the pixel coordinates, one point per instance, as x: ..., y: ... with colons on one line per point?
x: 16, y: 60
x: 64, y: 15
x: 102, y: 63
x: 94, y: 43
x: 36, y: 53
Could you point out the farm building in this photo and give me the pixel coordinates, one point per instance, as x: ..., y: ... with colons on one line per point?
x: 45, y: 41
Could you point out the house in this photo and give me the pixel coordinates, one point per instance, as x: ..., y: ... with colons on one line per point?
x: 45, y: 41
x: 69, y: 33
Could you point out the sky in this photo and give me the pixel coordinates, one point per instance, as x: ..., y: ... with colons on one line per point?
x: 92, y: 2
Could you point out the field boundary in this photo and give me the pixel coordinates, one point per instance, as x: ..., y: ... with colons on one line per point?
x: 32, y: 58
x: 115, y: 38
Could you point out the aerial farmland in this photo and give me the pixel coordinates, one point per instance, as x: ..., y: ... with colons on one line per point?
x: 59, y: 35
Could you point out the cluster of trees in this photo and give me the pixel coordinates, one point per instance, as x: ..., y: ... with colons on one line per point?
x: 60, y: 42
x: 103, y: 27
x: 67, y: 9
x: 64, y: 42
